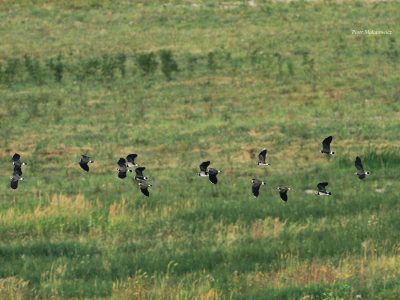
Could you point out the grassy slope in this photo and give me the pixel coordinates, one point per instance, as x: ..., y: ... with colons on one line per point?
x: 281, y: 76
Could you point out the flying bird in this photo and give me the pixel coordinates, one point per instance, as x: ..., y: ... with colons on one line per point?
x: 139, y: 174
x: 261, y: 158
x: 122, y: 168
x: 283, y: 192
x: 255, y: 188
x: 322, y: 189
x: 144, y: 185
x: 84, y: 162
x: 131, y: 160
x: 326, y: 146
x: 361, y: 173
x: 14, y: 180
x: 211, y: 173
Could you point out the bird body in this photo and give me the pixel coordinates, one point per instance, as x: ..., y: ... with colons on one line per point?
x: 326, y: 146
x: 84, y: 162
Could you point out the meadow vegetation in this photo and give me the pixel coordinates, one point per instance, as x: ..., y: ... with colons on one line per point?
x: 180, y: 82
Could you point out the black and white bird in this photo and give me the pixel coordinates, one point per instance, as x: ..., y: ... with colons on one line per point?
x: 283, y: 192
x: 261, y: 158
x: 255, y: 188
x: 14, y: 180
x: 131, y: 160
x: 84, y: 162
x: 139, y: 174
x: 144, y: 187
x: 326, y: 146
x: 361, y: 173
x: 122, y: 168
x: 211, y: 173
x: 16, y: 159
x: 322, y: 189
x: 203, y: 168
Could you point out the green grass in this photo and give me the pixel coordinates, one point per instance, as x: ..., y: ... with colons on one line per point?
x: 179, y: 83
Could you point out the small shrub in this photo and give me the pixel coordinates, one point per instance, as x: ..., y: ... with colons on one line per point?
x: 108, y: 66
x: 147, y: 62
x: 290, y: 67
x: 211, y: 64
x: 191, y: 63
x: 392, y: 51
x: 11, y: 70
x: 90, y: 67
x: 168, y: 63
x: 32, y: 66
x: 57, y: 67
x: 121, y: 60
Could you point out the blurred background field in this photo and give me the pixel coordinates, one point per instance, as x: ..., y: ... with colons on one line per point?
x: 180, y: 82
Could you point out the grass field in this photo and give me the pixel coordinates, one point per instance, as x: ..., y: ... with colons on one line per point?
x: 183, y: 82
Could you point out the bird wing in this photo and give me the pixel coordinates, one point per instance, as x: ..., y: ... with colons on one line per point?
x: 122, y: 174
x: 262, y: 155
x: 145, y: 191
x: 84, y: 166
x: 213, y: 178
x: 139, y: 171
x: 359, y: 166
x: 283, y: 195
x: 326, y: 143
x: 131, y: 158
x: 16, y: 157
x: 256, y: 188
x: 122, y: 162
x: 14, y: 184
x: 204, y: 165
x: 322, y: 186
